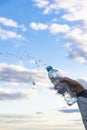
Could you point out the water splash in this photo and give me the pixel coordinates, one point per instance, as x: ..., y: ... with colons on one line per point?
x: 28, y: 58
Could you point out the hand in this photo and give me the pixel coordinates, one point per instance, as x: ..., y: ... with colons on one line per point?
x: 74, y: 85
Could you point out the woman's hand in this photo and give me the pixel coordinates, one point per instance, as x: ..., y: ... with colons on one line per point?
x: 74, y: 85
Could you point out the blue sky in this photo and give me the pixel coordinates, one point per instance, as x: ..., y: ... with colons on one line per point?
x: 34, y: 34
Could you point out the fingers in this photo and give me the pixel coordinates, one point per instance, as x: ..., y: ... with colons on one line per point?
x: 65, y: 79
x: 56, y: 87
x: 74, y: 85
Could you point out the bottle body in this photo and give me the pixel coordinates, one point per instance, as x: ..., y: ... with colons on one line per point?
x: 62, y: 88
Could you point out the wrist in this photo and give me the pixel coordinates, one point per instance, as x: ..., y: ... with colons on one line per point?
x: 82, y: 93
x: 80, y: 90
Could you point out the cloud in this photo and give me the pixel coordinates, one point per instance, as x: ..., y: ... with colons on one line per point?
x: 74, y: 9
x: 39, y: 113
x: 19, y: 74
x: 33, y: 122
x: 10, y: 33
x: 58, y: 28
x: 77, y: 48
x: 18, y: 94
x: 10, y: 23
x: 7, y: 34
x: 42, y: 3
x: 83, y: 82
x: 45, y: 4
x: 69, y: 111
x: 11, y: 95
x: 53, y: 28
x: 14, y: 117
x: 38, y: 26
x: 74, y: 14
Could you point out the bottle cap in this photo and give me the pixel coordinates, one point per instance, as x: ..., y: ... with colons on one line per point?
x: 48, y: 68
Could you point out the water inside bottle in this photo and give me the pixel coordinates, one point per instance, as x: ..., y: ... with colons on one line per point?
x: 70, y: 98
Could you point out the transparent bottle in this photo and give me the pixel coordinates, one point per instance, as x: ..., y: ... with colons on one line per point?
x: 54, y: 76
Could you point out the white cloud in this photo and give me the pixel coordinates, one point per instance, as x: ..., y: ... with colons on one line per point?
x: 81, y: 59
x: 75, y: 9
x: 83, y: 81
x: 48, y: 120
x: 53, y: 28
x: 58, y: 28
x: 78, y: 47
x: 7, y: 34
x: 38, y: 26
x: 19, y: 74
x: 74, y: 13
x: 19, y: 77
x: 20, y: 82
x: 50, y: 8
x: 11, y: 94
x: 10, y: 23
x: 41, y: 3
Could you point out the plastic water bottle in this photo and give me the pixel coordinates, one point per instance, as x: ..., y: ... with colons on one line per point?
x: 54, y: 76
